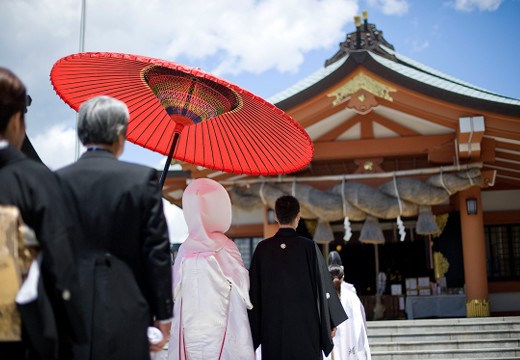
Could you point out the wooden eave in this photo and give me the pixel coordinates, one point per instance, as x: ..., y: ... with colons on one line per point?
x: 362, y: 58
x: 409, y: 149
x: 438, y: 106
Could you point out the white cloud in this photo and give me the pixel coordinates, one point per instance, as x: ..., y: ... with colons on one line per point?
x: 225, y: 37
x: 390, y: 7
x: 246, y: 35
x: 56, y: 146
x: 481, y: 5
x: 420, y: 46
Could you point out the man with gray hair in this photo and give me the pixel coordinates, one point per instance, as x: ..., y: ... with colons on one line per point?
x: 123, y: 250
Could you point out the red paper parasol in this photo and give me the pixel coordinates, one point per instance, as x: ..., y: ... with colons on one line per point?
x: 188, y: 114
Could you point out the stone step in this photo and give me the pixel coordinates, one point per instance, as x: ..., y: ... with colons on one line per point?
x: 498, y: 356
x: 463, y: 334
x: 490, y: 353
x: 460, y: 338
x: 441, y: 325
x: 474, y: 343
x: 497, y: 319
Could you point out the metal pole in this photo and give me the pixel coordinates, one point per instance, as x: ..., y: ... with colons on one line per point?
x: 82, y: 26
x: 81, y: 49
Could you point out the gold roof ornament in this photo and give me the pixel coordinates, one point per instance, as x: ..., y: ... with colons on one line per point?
x: 358, y: 82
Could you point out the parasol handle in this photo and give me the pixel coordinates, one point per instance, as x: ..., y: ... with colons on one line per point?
x: 176, y: 135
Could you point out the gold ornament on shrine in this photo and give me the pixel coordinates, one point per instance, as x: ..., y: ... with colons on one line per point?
x: 362, y: 82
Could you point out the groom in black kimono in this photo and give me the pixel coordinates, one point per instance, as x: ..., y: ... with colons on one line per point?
x: 295, y: 307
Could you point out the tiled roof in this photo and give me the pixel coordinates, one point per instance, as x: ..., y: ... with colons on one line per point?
x: 427, y: 75
x: 307, y: 82
x: 406, y: 67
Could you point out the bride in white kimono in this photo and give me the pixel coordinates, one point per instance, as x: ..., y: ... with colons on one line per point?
x: 210, y: 282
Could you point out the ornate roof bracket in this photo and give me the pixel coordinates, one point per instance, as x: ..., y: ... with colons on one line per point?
x: 360, y: 93
x: 366, y: 37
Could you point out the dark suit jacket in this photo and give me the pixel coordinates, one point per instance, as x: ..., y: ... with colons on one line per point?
x: 125, y: 262
x: 35, y: 190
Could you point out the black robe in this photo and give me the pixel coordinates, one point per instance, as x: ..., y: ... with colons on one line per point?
x: 292, y: 314
x: 35, y: 190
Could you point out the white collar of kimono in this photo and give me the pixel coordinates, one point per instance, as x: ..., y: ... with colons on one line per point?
x: 3, y: 144
x: 207, y: 211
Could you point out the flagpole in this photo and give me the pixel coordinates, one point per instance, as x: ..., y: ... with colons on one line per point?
x: 81, y: 49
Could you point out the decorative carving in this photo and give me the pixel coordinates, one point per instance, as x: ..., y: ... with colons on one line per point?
x: 366, y: 166
x: 441, y: 221
x: 362, y: 102
x: 366, y: 37
x: 477, y: 308
x: 359, y: 82
x: 440, y: 264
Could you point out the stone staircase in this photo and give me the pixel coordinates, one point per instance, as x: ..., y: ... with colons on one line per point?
x: 464, y: 338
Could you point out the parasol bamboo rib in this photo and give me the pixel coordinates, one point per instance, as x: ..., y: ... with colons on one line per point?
x: 231, y: 129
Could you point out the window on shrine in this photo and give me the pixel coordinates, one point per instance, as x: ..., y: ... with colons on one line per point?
x: 247, y: 246
x: 503, y: 252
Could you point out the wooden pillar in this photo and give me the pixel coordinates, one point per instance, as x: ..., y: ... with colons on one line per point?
x: 474, y: 253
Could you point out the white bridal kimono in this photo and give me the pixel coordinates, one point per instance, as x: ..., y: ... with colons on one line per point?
x: 210, y: 282
x: 351, y: 342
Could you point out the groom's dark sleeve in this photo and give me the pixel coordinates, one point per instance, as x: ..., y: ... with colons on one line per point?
x: 329, y: 304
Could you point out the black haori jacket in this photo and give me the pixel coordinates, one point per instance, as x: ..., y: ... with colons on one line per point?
x: 295, y: 305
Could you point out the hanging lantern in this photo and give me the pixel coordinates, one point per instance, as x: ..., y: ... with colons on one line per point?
x: 426, y: 224
x: 323, y: 233
x: 371, y: 232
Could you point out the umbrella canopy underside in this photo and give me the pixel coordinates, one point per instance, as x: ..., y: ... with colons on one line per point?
x: 221, y: 126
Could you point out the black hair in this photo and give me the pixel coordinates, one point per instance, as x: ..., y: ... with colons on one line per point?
x: 335, y: 258
x: 286, y: 208
x: 336, y: 271
x: 13, y: 97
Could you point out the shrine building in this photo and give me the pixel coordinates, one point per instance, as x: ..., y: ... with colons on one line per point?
x: 415, y: 174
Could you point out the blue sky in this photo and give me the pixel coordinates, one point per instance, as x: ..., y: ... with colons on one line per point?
x: 481, y: 47
x: 263, y: 46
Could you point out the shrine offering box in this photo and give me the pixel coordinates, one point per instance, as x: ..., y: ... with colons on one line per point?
x: 411, y: 284
x: 423, y: 282
x: 424, y: 292
x: 396, y: 289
